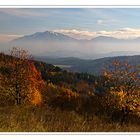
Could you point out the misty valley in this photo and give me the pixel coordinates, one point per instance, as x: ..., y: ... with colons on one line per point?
x: 95, y: 94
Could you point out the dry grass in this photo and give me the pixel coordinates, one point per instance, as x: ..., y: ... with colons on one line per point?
x: 44, y: 119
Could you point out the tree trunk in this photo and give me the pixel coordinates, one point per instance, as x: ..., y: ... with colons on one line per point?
x: 125, y: 114
x: 18, y: 98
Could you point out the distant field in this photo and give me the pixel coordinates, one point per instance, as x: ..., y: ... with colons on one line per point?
x: 63, y: 66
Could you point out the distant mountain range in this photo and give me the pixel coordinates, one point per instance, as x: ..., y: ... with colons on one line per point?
x: 89, y: 56
x: 55, y: 36
x: 53, y: 44
x: 89, y: 66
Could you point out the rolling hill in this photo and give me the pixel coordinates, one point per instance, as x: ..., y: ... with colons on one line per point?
x: 90, y: 66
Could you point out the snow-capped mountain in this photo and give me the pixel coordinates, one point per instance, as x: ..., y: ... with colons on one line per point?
x: 44, y: 36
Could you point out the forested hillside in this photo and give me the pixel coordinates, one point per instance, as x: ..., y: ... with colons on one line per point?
x: 89, y: 66
x: 51, y: 99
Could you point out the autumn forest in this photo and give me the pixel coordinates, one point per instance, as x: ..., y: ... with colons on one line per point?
x: 40, y: 97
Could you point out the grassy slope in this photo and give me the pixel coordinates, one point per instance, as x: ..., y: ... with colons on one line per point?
x: 43, y: 119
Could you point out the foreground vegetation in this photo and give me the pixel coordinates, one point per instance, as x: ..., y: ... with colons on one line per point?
x: 44, y: 119
x: 36, y: 96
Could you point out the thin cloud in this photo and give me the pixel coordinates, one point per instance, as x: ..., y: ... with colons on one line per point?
x: 106, y: 21
x: 77, y: 33
x: 5, y: 37
x: 24, y: 12
x: 124, y: 33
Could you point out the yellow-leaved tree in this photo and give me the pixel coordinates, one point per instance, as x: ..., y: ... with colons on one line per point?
x: 123, y: 81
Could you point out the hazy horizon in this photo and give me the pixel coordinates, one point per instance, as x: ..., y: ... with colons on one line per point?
x: 78, y: 23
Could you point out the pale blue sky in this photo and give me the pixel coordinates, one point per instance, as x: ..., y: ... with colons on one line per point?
x: 28, y: 21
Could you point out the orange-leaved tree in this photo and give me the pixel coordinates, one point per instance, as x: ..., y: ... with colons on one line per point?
x: 21, y: 82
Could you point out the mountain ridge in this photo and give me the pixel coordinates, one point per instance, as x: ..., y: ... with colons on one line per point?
x: 91, y: 66
x: 45, y: 36
x: 49, y: 34
x: 55, y: 44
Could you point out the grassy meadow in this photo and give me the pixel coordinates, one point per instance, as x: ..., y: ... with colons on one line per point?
x: 44, y: 119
